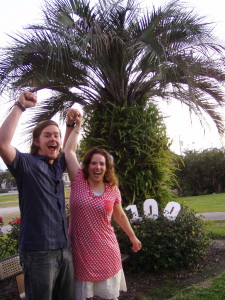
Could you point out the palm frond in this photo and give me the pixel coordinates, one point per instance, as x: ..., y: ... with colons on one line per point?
x: 112, y: 51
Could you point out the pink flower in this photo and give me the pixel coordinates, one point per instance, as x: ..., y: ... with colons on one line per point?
x: 1, y: 219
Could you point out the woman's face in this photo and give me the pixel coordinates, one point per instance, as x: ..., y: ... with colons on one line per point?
x: 97, y: 168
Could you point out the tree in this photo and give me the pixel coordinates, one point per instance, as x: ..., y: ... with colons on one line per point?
x: 135, y: 135
x: 112, y: 54
x: 202, y: 172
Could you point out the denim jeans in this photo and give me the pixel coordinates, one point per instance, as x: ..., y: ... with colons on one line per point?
x: 48, y: 275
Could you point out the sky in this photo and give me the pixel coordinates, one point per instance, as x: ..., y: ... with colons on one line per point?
x: 185, y: 131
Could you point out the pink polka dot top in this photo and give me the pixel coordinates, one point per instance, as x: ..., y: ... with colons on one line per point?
x: 96, y: 252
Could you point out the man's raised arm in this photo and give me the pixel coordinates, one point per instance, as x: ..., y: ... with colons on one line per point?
x: 7, y: 130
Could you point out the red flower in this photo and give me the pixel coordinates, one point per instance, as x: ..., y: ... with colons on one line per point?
x: 1, y: 219
x: 17, y: 221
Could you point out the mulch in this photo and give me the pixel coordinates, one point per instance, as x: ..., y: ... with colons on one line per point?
x: 211, y: 266
x: 8, y: 289
x: 145, y: 284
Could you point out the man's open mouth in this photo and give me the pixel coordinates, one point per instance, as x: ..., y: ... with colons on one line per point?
x: 52, y: 147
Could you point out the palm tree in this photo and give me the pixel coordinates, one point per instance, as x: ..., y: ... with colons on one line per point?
x: 113, y: 56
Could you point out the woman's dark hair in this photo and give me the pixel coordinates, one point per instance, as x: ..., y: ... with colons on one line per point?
x: 110, y: 176
x: 37, y: 132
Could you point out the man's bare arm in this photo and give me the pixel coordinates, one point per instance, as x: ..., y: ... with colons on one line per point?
x: 7, y: 130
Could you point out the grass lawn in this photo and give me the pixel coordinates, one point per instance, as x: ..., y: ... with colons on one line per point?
x: 206, y: 203
x: 216, y: 229
x: 213, y: 289
x: 8, y: 198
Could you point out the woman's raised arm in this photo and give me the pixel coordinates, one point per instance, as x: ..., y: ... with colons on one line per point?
x: 73, y: 117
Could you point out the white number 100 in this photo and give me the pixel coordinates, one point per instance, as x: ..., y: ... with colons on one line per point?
x: 151, y: 210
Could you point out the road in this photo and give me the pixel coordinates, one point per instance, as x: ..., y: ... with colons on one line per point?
x: 214, y: 216
x: 9, y: 193
x: 7, y: 210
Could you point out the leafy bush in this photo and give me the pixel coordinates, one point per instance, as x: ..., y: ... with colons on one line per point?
x: 9, y: 243
x: 166, y: 244
x: 1, y: 224
x: 201, y: 172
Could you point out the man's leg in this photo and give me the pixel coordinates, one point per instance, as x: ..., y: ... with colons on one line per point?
x: 40, y: 273
x: 65, y: 281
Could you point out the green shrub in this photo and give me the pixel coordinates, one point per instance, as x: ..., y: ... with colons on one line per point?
x: 166, y: 244
x: 1, y: 224
x: 2, y: 191
x: 9, y: 243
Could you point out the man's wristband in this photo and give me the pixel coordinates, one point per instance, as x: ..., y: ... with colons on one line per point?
x: 70, y: 125
x: 20, y: 106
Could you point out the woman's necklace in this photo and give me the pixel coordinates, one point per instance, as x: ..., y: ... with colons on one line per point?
x: 97, y: 188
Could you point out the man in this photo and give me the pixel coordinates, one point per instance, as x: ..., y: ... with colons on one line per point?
x: 44, y: 244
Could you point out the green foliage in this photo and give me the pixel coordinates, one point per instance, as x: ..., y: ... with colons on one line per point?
x: 135, y: 136
x: 2, y: 191
x: 166, y: 244
x: 202, y: 172
x: 86, y: 53
x: 9, y: 243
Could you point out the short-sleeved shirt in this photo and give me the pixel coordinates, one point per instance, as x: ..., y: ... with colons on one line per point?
x: 41, y: 200
x: 96, y: 252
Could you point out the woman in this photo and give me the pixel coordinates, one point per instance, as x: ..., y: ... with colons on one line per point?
x: 94, y: 198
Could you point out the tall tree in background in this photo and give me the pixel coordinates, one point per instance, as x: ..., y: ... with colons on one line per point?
x: 202, y: 172
x: 111, y: 57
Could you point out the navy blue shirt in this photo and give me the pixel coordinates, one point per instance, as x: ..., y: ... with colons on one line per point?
x: 41, y: 200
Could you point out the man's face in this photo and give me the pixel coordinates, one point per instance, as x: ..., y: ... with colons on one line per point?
x: 49, y: 142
